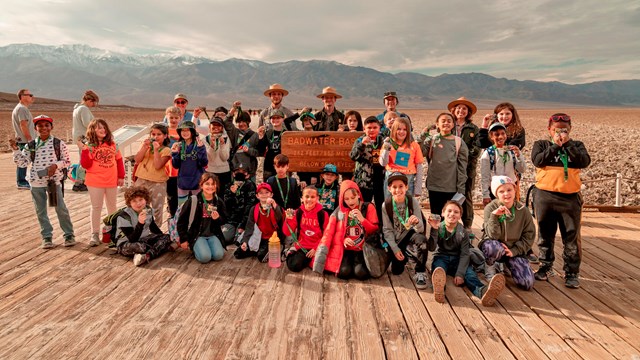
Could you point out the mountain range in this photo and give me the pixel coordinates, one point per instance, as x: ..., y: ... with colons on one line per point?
x: 65, y: 72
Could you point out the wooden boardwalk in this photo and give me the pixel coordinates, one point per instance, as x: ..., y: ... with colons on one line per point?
x: 86, y: 303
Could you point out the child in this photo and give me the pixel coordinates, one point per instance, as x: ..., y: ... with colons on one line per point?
x: 264, y: 219
x: 285, y: 188
x: 138, y: 234
x: 340, y: 250
x: 451, y: 257
x: 205, y: 233
x: 353, y: 121
x: 239, y: 197
x: 389, y: 118
x: 305, y: 226
x: 152, y: 158
x: 329, y: 186
x: 243, y: 140
x: 218, y: 149
x: 48, y: 156
x: 447, y: 158
x: 173, y: 115
x: 105, y: 172
x: 368, y: 173
x: 508, y: 233
x: 308, y: 120
x: 506, y: 114
x: 401, y: 154
x: 189, y: 156
x: 404, y: 230
x: 269, y: 142
x: 557, y: 198
x: 499, y: 160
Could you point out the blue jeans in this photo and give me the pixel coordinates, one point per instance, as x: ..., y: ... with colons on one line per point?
x: 21, y: 173
x: 410, y: 184
x: 450, y: 265
x: 39, y: 195
x: 208, y: 248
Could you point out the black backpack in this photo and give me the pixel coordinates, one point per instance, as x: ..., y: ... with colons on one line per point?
x: 389, y: 208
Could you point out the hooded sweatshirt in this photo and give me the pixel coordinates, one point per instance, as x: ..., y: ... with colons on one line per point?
x: 341, y: 225
x: 310, y: 232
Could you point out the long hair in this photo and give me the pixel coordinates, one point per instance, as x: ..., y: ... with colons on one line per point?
x: 359, y: 127
x: 209, y: 176
x: 163, y: 129
x: 91, y: 132
x: 394, y: 130
x: 515, y: 126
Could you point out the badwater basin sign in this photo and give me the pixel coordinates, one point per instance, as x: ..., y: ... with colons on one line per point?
x: 310, y: 151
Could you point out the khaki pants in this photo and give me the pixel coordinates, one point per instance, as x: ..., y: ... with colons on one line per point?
x: 158, y: 192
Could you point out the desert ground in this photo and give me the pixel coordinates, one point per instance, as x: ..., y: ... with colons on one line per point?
x: 610, y: 135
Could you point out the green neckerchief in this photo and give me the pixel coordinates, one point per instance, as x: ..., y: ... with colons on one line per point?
x: 183, y: 151
x: 273, y: 135
x: 505, y: 155
x: 208, y: 205
x: 439, y: 137
x: 374, y: 143
x: 565, y: 162
x: 395, y: 144
x: 403, y: 219
x: 285, y: 198
x: 442, y: 233
x: 502, y: 218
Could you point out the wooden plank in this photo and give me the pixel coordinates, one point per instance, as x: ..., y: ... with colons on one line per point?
x: 337, y: 333
x: 365, y: 335
x: 307, y: 337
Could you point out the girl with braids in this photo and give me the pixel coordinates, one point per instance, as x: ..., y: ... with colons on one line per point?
x: 189, y: 156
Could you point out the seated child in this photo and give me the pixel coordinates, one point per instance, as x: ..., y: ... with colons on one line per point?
x: 403, y: 230
x: 328, y: 188
x: 340, y: 250
x: 239, y: 198
x: 368, y: 173
x: 500, y: 159
x: 137, y: 233
x: 508, y: 233
x: 304, y: 226
x: 452, y: 256
x: 264, y: 219
x: 400, y: 153
x: 285, y: 188
x: 204, y: 234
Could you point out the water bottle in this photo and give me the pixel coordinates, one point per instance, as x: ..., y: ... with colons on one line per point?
x: 274, y: 251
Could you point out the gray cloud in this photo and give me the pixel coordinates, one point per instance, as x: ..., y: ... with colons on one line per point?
x: 571, y: 41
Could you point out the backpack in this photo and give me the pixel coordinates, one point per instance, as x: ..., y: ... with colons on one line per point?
x: 110, y: 228
x: 56, y: 149
x: 389, y: 208
x: 239, y: 142
x: 492, y: 159
x: 173, y: 221
x: 457, y: 139
x: 321, y: 219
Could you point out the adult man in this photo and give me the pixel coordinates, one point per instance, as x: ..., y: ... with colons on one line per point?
x: 82, y: 116
x: 329, y: 119
x: 275, y: 92
x: 180, y: 101
x: 391, y: 101
x: 24, y: 130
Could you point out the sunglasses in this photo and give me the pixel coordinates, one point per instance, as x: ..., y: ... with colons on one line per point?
x: 29, y: 95
x: 390, y: 93
x: 562, y: 118
x: 180, y: 102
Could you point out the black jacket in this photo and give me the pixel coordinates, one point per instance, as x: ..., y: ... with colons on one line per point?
x: 190, y: 233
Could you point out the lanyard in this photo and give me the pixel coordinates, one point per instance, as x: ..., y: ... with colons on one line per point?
x: 505, y: 155
x: 443, y: 232
x: 273, y: 135
x: 505, y: 218
x: 565, y: 163
x: 404, y: 218
x: 183, y: 151
x: 285, y: 198
x: 40, y: 143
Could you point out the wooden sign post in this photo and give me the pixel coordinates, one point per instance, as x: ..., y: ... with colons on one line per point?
x: 310, y: 151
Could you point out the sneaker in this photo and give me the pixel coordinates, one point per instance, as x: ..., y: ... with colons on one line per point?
x: 421, y: 281
x: 491, y: 270
x: 24, y: 187
x: 571, y: 280
x: 140, y: 259
x: 79, y: 187
x: 495, y: 287
x: 47, y: 243
x: 439, y: 280
x: 69, y: 241
x: 544, y: 272
x: 533, y: 259
x: 95, y: 240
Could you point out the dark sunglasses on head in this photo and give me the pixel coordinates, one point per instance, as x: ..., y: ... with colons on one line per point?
x: 180, y: 102
x: 563, y: 118
x: 390, y: 93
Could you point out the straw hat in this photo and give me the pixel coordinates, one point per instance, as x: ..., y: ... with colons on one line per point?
x: 276, y: 87
x: 329, y: 91
x: 463, y: 100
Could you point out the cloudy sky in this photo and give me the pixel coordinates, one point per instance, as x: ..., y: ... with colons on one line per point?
x: 570, y: 41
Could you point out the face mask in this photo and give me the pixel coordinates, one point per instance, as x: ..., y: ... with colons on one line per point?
x: 239, y: 176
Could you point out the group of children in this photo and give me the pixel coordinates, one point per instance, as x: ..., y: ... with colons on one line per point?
x: 209, y: 184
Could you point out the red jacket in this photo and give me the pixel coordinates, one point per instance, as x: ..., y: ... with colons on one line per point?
x: 310, y: 231
x: 331, y: 247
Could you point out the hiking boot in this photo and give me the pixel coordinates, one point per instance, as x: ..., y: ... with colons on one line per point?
x: 421, y: 281
x: 95, y: 239
x: 79, y: 187
x: 491, y: 270
x: 141, y: 259
x: 439, y: 280
x: 533, y: 259
x: 495, y: 287
x: 544, y: 272
x: 47, y: 243
x: 571, y: 280
x: 70, y: 241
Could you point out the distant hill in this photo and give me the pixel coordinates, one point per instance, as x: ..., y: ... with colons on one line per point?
x: 64, y: 72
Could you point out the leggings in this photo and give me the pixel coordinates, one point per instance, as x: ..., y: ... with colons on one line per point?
x: 98, y: 196
x: 519, y: 266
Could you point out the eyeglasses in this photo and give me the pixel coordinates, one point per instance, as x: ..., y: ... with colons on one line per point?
x: 180, y: 102
x: 29, y: 95
x: 563, y: 118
